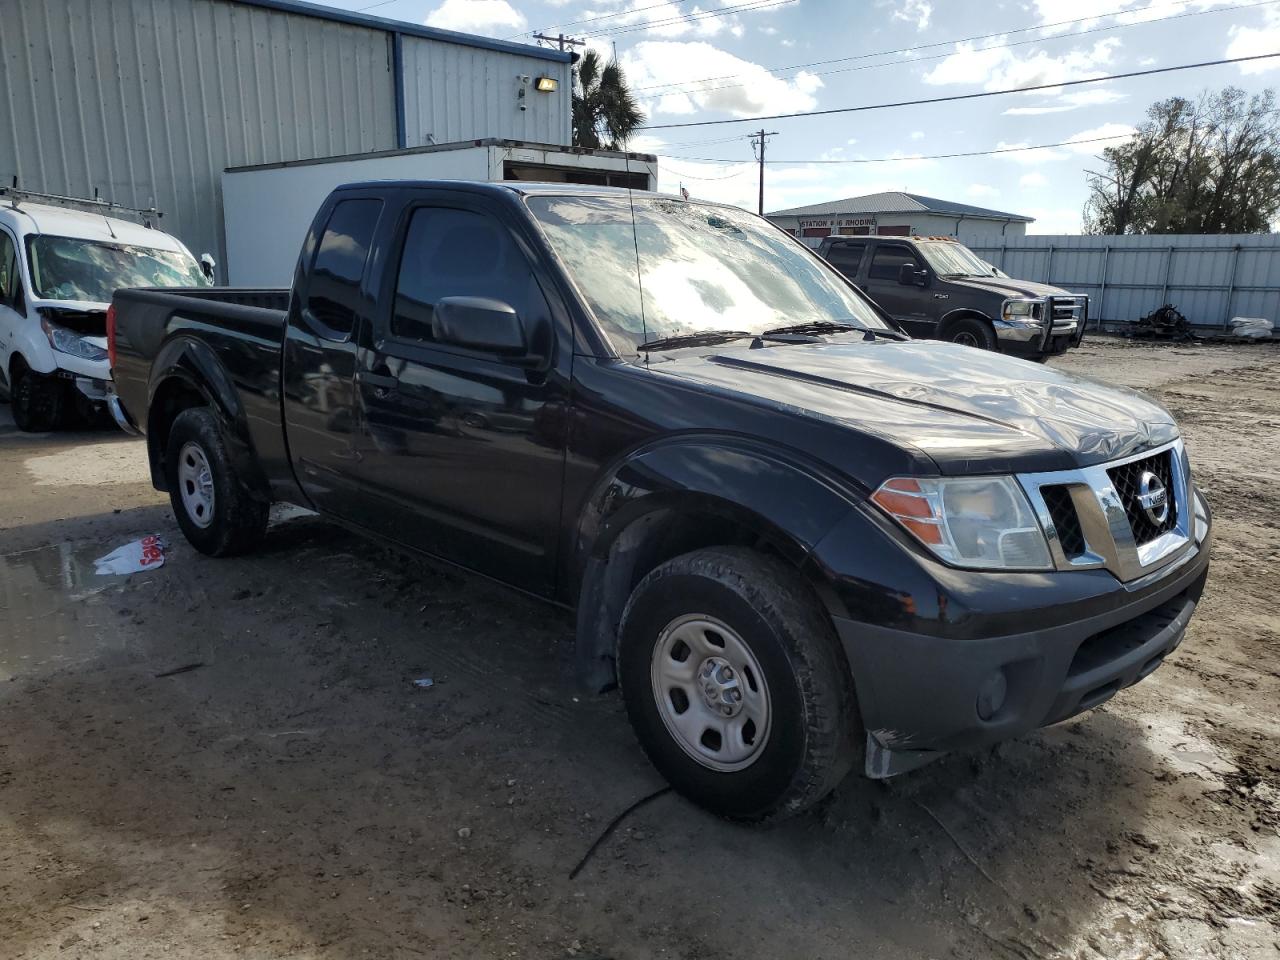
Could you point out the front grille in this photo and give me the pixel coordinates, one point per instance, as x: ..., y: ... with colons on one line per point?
x: 1066, y: 521
x: 1127, y: 479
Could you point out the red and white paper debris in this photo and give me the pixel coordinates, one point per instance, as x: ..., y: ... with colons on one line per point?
x: 144, y: 554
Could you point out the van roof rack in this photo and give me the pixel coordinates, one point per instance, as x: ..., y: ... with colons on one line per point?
x: 16, y: 196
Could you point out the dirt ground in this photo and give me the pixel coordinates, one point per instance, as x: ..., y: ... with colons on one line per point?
x: 297, y: 796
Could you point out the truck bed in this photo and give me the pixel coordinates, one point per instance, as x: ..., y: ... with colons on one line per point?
x: 221, y: 338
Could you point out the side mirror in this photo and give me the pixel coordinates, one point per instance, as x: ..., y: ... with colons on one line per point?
x: 480, y: 323
x: 909, y: 276
x: 208, y: 266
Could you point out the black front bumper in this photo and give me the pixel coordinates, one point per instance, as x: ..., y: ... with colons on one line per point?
x: 924, y: 694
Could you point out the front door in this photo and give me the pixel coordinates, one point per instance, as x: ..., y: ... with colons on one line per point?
x: 11, y: 302
x: 912, y: 306
x: 325, y: 317
x: 462, y: 449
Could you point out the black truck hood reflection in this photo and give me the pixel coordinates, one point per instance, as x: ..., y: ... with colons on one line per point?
x: 969, y: 410
x: 1008, y: 287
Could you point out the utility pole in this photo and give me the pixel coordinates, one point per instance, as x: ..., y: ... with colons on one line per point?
x: 562, y: 40
x: 759, y: 140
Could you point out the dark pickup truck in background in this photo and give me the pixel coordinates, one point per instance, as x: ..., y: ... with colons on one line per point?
x: 796, y: 539
x: 936, y: 287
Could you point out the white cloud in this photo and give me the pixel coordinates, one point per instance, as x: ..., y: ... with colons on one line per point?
x: 752, y: 88
x: 1092, y: 12
x: 488, y: 17
x: 1095, y: 134
x: 1020, y: 155
x: 917, y: 134
x: 1032, y: 180
x: 918, y: 12
x: 981, y: 190
x: 1000, y: 67
x: 1072, y: 100
x: 1251, y: 41
x: 673, y: 19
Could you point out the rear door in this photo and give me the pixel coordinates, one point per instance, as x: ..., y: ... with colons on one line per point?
x: 912, y: 306
x: 331, y: 303
x: 463, y: 449
x: 846, y: 256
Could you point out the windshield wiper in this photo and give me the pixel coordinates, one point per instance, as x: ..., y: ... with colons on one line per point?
x: 832, y: 326
x: 704, y: 338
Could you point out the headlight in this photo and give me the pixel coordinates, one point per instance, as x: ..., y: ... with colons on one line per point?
x: 1021, y: 309
x: 70, y: 342
x: 983, y: 522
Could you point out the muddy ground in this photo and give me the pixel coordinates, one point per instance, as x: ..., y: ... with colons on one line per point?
x: 297, y: 796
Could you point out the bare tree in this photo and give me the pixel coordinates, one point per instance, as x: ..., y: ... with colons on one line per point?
x: 1209, y: 166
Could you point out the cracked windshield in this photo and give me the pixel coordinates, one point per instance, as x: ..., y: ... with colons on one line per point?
x: 65, y: 268
x: 702, y: 268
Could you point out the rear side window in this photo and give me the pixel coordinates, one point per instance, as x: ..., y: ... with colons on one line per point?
x: 8, y: 270
x: 888, y: 261
x: 333, y: 291
x: 460, y: 253
x: 845, y: 257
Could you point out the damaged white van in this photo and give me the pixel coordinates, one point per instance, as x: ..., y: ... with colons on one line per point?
x: 61, y: 259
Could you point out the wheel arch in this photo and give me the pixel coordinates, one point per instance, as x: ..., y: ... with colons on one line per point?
x: 185, y: 374
x: 950, y: 319
x: 681, y: 496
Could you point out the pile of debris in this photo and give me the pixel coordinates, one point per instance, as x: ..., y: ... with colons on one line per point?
x: 1166, y: 323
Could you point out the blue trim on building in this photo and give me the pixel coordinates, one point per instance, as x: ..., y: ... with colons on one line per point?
x: 408, y: 29
x: 397, y: 67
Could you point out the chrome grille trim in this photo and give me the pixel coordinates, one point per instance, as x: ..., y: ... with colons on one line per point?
x: 1108, y: 535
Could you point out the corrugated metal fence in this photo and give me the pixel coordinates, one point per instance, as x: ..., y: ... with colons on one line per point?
x: 1209, y: 278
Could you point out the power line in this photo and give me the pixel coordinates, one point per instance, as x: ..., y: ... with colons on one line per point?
x: 953, y: 98
x: 945, y: 43
x: 603, y: 16
x: 690, y: 89
x: 936, y: 156
x: 754, y: 5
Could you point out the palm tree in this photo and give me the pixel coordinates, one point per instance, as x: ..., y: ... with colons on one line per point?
x: 604, y: 112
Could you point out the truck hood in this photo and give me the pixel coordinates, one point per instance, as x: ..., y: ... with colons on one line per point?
x: 968, y: 410
x: 1008, y: 287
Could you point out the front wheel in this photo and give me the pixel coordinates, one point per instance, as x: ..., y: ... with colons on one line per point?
x: 972, y: 332
x: 736, y: 685
x: 213, y: 508
x: 37, y: 399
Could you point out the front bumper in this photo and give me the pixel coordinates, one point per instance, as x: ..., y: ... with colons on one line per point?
x: 1060, y: 326
x: 921, y: 695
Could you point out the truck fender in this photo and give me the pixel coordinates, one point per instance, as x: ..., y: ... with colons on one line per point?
x: 31, y: 344
x: 190, y: 366
x: 679, y: 495
x: 946, y: 319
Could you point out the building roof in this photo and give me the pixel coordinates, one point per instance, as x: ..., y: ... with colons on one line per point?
x: 895, y: 201
x: 407, y: 29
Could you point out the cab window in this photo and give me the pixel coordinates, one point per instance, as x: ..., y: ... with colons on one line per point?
x: 888, y: 260
x: 459, y: 253
x: 846, y: 257
x: 333, y: 291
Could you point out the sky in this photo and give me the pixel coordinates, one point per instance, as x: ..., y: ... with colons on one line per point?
x: 695, y: 60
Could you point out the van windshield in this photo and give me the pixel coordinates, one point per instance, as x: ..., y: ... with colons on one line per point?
x: 702, y: 268
x: 70, y: 268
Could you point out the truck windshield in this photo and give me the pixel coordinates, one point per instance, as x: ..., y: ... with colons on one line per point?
x: 950, y: 259
x: 70, y: 268
x: 701, y: 268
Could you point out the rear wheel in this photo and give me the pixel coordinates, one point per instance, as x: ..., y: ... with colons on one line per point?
x: 972, y: 332
x: 213, y: 508
x: 37, y: 399
x: 736, y: 685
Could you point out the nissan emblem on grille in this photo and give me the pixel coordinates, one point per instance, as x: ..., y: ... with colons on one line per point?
x: 1153, y: 497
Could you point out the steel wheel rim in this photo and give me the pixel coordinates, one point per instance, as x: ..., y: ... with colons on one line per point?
x: 711, y: 693
x: 965, y: 339
x: 195, y: 484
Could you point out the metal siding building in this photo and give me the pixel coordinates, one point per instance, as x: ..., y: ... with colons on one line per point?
x: 1209, y: 278
x: 148, y: 101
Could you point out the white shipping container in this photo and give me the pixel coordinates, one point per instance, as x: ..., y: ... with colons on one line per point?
x: 267, y: 209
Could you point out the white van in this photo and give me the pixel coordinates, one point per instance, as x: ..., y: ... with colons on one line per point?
x: 61, y: 260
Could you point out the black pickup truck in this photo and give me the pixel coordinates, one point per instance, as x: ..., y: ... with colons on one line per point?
x: 798, y: 540
x: 937, y: 287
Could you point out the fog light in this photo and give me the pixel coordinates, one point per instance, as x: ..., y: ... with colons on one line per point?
x: 991, y: 695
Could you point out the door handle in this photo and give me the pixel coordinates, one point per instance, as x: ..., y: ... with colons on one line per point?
x: 383, y: 384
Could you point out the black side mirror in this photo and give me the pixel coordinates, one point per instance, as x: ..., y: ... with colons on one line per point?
x: 480, y: 323
x: 909, y: 276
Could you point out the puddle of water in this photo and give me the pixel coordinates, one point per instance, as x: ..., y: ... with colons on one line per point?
x: 47, y: 616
